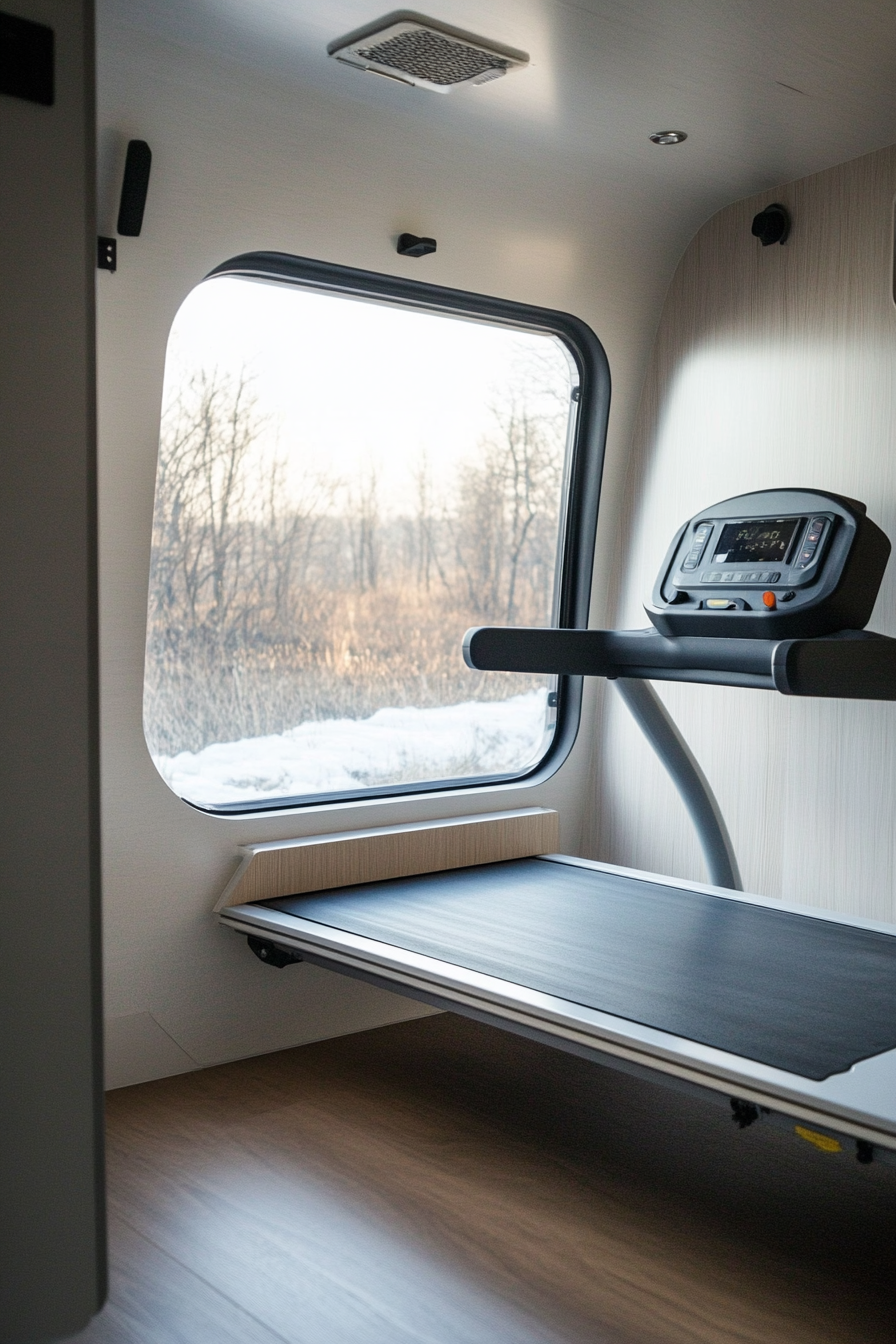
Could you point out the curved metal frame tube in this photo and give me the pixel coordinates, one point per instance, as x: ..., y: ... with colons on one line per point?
x: 663, y: 734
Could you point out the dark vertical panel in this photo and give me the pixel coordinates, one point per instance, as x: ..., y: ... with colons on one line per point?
x: 27, y: 61
x: 51, y: 1233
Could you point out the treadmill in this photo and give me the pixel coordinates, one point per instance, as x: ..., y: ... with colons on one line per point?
x: 782, y: 1012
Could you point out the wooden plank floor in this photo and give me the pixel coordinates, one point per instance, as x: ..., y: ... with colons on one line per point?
x: 438, y: 1182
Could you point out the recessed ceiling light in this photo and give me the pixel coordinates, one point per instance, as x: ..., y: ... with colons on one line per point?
x: 416, y: 50
x: 668, y: 137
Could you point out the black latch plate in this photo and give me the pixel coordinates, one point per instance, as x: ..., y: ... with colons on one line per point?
x: 106, y: 254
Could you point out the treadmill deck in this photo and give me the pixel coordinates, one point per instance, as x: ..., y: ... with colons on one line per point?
x: 802, y: 995
x: 784, y: 992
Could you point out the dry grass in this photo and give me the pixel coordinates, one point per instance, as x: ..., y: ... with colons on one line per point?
x: 352, y: 654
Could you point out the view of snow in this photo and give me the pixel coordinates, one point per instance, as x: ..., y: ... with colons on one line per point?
x: 490, y: 737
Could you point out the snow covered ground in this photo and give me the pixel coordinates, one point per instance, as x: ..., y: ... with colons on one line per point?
x: 393, y: 746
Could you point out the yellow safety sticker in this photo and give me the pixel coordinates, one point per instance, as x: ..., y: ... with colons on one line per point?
x: 822, y: 1141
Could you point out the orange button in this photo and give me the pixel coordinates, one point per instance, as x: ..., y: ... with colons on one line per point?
x: 770, y: 600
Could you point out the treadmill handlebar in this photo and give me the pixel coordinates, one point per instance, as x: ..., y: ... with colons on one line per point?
x: 853, y: 664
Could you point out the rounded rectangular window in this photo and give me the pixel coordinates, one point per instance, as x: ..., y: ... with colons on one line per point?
x: 352, y: 471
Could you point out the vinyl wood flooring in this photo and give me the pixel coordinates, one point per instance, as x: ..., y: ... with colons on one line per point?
x: 439, y: 1182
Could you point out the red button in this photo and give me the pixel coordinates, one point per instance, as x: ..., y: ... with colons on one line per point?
x: 770, y: 600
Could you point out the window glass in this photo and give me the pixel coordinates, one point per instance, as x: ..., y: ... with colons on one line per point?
x: 344, y: 487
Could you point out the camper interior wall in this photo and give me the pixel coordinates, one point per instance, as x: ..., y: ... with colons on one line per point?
x: 245, y: 162
x: 272, y: 147
x: 771, y: 366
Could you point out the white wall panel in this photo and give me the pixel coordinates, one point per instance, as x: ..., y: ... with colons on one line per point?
x: 772, y: 367
x: 241, y: 162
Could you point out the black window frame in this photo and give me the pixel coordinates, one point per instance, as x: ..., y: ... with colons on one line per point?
x: 587, y: 452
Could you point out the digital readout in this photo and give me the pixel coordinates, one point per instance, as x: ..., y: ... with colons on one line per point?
x: 762, y: 542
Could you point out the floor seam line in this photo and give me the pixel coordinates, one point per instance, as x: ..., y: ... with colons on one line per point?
x: 275, y: 1334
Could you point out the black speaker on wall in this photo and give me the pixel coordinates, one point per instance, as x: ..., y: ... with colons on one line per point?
x: 134, y: 187
x: 772, y: 225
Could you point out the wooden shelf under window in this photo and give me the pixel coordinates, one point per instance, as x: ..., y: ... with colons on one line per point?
x: 346, y: 858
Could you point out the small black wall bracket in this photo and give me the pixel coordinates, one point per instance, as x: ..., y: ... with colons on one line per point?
x: 106, y: 254
x: 772, y: 225
x: 409, y: 245
x: 134, y: 187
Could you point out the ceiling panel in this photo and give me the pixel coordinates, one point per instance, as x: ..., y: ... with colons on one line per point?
x: 767, y: 91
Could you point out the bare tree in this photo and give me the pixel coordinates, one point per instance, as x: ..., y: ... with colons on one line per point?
x: 198, y: 580
x: 505, y: 498
x: 364, y: 530
x: 278, y: 596
x: 426, y: 528
x: 288, y: 536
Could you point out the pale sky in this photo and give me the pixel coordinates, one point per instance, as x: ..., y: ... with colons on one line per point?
x: 349, y: 385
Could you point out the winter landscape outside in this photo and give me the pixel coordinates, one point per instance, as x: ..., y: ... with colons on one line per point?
x: 344, y: 487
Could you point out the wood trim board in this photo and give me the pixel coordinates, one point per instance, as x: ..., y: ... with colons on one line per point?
x: 348, y: 858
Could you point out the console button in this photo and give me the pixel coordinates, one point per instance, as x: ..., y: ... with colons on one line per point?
x: 810, y: 545
x: 699, y: 541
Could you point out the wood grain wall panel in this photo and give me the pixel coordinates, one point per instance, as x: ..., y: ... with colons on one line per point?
x: 321, y: 862
x: 772, y: 367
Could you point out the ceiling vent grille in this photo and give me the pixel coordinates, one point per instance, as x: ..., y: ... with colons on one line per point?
x: 420, y: 51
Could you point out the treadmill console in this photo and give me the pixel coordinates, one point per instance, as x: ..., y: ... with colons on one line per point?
x: 775, y: 564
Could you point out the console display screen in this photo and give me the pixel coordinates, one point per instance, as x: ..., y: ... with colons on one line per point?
x: 763, y: 541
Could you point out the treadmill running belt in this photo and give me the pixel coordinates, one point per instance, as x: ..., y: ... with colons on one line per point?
x: 796, y: 993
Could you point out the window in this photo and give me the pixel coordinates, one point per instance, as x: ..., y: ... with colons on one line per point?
x: 352, y: 471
